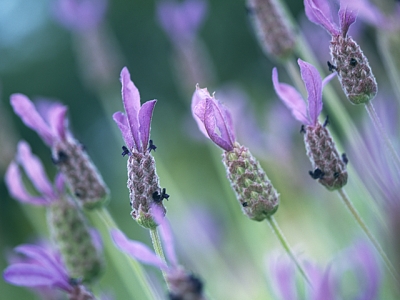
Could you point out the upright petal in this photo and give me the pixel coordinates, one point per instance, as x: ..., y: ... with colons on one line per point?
x: 319, y: 12
x: 347, y: 16
x: 291, y: 98
x: 199, y: 107
x: 145, y: 115
x: 131, y: 100
x: 313, y: 83
x: 282, y: 272
x: 56, y: 116
x: 25, y: 109
x: 123, y: 126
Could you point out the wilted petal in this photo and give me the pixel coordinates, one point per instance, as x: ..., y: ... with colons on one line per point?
x: 131, y: 100
x: 145, y: 115
x: 319, y: 12
x: 137, y: 250
x: 347, y: 16
x: 123, y: 126
x: 291, y: 98
x: 313, y: 83
x: 25, y: 109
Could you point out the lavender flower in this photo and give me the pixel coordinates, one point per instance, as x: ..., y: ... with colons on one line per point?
x: 143, y: 185
x: 182, y: 285
x: 67, y: 153
x: 352, y: 66
x: 67, y: 225
x: 329, y: 168
x: 253, y: 189
x: 41, y: 268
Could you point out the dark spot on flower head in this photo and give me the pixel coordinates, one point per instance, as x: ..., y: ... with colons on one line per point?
x: 326, y: 121
x: 78, y: 194
x: 158, y: 197
x: 353, y: 62
x: 331, y: 67
x: 125, y: 151
x: 83, y: 147
x: 345, y: 159
x: 62, y: 157
x: 303, y: 129
x: 245, y: 204
x: 196, y: 283
x: 74, y: 281
x: 317, y: 174
x: 336, y: 175
x: 152, y: 146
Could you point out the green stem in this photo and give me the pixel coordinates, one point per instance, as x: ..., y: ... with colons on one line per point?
x: 155, y: 238
x: 130, y: 271
x: 279, y: 234
x: 382, y: 134
x: 364, y: 227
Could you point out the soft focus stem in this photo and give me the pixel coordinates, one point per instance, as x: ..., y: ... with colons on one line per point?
x: 278, y: 232
x: 155, y: 238
x: 129, y: 269
x: 364, y: 227
x: 382, y: 134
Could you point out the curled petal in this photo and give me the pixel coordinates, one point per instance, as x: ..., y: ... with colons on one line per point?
x: 313, y: 83
x: 25, y: 109
x: 137, y: 250
x: 123, y: 126
x: 291, y: 98
x: 145, y: 115
x: 319, y: 12
x: 347, y: 16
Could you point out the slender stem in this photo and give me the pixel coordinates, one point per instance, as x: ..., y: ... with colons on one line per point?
x: 279, y: 234
x: 155, y: 238
x: 130, y: 271
x: 383, y: 135
x: 364, y: 227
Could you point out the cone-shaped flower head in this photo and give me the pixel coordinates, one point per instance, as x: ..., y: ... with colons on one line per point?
x: 352, y: 66
x: 275, y: 36
x: 182, y: 285
x: 68, y: 227
x: 253, y: 189
x: 68, y: 154
x: 143, y: 183
x: 42, y: 267
x: 329, y: 168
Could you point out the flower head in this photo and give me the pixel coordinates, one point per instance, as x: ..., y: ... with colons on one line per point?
x: 213, y: 119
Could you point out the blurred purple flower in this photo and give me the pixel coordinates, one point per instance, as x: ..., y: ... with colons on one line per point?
x: 80, y: 15
x: 213, y: 119
x: 181, y: 20
x: 135, y: 125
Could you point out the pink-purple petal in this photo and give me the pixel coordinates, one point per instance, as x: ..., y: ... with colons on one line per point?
x: 313, y: 83
x: 319, y: 12
x: 28, y: 275
x: 131, y: 101
x: 328, y: 78
x: 145, y: 115
x: 291, y: 98
x: 347, y: 16
x: 224, y: 121
x: 25, y: 109
x: 199, y: 108
x: 123, y: 126
x: 137, y: 250
x: 56, y: 116
x: 283, y: 274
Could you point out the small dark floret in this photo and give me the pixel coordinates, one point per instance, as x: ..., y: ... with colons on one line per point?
x: 245, y: 204
x: 303, y: 129
x: 62, y: 158
x: 331, y: 67
x: 345, y: 159
x: 74, y: 281
x: 197, y: 284
x: 157, y: 197
x: 125, y: 151
x: 317, y: 174
x: 326, y: 121
x: 353, y: 62
x: 336, y: 175
x: 152, y: 146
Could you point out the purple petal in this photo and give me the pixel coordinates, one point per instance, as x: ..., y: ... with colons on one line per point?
x: 35, y: 171
x: 324, y: 290
x: 56, y: 116
x: 131, y: 100
x: 283, y: 273
x: 328, y: 78
x: 96, y: 239
x: 28, y: 275
x: 60, y: 183
x: 17, y: 189
x: 145, y: 115
x: 313, y: 83
x: 291, y: 98
x: 368, y: 12
x: 319, y: 12
x: 166, y: 235
x: 137, y: 250
x: 25, y: 109
x: 213, y: 120
x: 123, y: 126
x: 347, y: 16
x: 199, y: 107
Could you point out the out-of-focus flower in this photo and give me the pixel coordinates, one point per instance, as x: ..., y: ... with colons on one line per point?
x: 143, y: 182
x: 67, y: 225
x: 80, y: 15
x: 348, y: 60
x: 42, y: 267
x: 253, y: 189
x: 182, y: 285
x: 329, y: 167
x: 67, y: 153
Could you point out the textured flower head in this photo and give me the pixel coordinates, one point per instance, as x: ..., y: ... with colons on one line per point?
x: 306, y: 114
x: 80, y: 14
x: 181, y: 20
x: 213, y: 119
x: 135, y: 125
x: 35, y: 171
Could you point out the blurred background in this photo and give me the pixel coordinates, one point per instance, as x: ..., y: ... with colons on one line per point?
x: 47, y: 56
